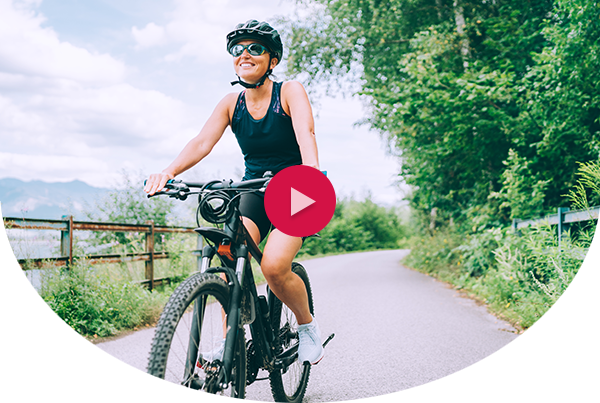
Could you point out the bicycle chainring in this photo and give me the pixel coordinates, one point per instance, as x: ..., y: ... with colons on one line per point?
x: 252, y: 366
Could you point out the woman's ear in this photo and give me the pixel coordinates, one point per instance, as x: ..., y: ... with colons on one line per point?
x: 274, y: 62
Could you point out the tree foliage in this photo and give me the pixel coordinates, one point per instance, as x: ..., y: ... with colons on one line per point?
x: 357, y: 226
x: 487, y: 102
x: 128, y: 204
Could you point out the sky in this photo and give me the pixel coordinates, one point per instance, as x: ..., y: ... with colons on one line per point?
x: 91, y: 88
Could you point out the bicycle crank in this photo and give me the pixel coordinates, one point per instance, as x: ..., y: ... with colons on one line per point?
x: 331, y: 336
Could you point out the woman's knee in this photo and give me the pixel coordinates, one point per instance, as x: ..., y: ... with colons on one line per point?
x: 274, y: 271
x: 279, y: 253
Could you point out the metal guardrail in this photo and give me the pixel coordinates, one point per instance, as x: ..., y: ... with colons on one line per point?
x: 67, y: 226
x: 561, y: 219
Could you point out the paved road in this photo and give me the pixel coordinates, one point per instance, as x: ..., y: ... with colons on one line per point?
x: 395, y: 329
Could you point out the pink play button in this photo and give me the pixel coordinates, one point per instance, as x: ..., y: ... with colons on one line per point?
x: 300, y: 201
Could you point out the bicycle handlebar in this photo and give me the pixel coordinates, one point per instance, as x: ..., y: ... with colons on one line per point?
x: 181, y: 190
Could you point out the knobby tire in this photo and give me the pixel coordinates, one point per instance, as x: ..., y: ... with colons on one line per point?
x: 179, y: 343
x: 289, y: 386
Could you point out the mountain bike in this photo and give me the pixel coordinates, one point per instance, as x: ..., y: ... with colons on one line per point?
x: 200, y: 339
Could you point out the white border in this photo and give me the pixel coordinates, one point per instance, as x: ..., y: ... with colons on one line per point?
x: 42, y: 358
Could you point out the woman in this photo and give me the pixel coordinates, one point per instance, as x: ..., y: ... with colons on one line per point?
x: 274, y: 126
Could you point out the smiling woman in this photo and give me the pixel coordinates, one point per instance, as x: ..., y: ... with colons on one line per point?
x: 274, y: 126
x: 241, y: 44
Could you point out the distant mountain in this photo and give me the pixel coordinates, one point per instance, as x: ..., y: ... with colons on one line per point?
x: 49, y: 200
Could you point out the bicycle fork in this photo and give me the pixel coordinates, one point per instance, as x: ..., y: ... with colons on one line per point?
x: 233, y: 317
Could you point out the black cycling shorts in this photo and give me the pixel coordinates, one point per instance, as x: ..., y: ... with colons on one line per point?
x: 252, y: 206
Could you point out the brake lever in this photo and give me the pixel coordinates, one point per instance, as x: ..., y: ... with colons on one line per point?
x: 264, y: 186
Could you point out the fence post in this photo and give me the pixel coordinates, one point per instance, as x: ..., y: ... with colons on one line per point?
x: 561, y: 226
x: 66, y: 240
x: 150, y: 250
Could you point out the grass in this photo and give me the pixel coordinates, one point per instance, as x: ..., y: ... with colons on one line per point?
x: 102, y: 301
x: 518, y: 277
x: 97, y: 305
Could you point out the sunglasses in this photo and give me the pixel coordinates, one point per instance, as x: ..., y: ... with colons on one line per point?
x: 255, y: 49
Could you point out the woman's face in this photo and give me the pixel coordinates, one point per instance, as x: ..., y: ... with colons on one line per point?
x: 251, y: 68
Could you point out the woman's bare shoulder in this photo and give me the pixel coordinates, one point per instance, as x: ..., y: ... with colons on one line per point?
x: 230, y: 98
x: 228, y: 102
x: 292, y: 86
x: 292, y: 92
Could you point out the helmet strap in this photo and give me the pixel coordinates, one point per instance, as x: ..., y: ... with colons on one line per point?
x: 246, y: 85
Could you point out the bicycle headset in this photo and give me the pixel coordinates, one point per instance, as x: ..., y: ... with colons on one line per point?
x: 263, y: 33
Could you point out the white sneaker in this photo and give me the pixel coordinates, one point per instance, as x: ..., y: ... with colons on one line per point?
x: 310, y: 349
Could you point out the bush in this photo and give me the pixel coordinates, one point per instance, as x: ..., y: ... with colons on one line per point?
x: 358, y: 226
x: 94, y: 304
x: 531, y: 273
x: 520, y: 277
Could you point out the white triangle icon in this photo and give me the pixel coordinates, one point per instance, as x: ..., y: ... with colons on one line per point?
x: 299, y: 201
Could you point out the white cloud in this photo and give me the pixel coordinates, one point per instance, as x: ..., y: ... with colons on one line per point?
x: 194, y: 25
x: 116, y: 124
x: 69, y: 113
x: 149, y: 36
x: 66, y: 113
x: 28, y: 48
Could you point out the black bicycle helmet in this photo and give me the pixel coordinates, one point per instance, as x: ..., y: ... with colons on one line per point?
x: 261, y: 32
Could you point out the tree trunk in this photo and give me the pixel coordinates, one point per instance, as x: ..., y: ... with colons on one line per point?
x: 459, y: 18
x: 439, y: 6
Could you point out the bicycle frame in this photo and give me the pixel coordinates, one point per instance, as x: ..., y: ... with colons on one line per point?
x: 234, y: 247
x: 238, y: 271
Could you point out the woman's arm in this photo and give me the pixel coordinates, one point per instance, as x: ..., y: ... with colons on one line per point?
x: 197, y: 148
x: 295, y: 100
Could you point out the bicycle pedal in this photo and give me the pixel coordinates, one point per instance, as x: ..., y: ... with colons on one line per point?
x: 196, y: 383
x: 331, y: 336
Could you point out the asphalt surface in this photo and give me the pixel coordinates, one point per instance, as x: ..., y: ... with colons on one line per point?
x: 394, y: 329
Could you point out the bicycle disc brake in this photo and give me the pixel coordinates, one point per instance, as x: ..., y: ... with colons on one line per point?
x: 212, y: 371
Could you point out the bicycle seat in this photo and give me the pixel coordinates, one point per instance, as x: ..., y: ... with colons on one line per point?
x: 215, y: 235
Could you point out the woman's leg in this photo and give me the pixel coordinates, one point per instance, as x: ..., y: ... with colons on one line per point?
x: 252, y: 229
x: 280, y: 251
x: 276, y: 265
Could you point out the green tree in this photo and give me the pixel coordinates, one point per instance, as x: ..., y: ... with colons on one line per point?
x: 560, y: 109
x: 128, y: 204
x: 356, y: 226
x: 454, y: 85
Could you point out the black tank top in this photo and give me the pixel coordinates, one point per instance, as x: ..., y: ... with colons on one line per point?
x: 268, y: 144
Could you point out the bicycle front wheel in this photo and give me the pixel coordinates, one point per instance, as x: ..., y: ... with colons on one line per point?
x: 187, y: 347
x: 289, y: 385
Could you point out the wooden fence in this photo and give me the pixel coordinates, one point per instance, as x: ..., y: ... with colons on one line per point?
x: 561, y: 219
x: 67, y: 226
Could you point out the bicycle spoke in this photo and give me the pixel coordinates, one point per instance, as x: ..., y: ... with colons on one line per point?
x: 289, y: 384
x: 196, y: 330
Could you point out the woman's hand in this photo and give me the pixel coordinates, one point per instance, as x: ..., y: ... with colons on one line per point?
x: 157, y: 182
